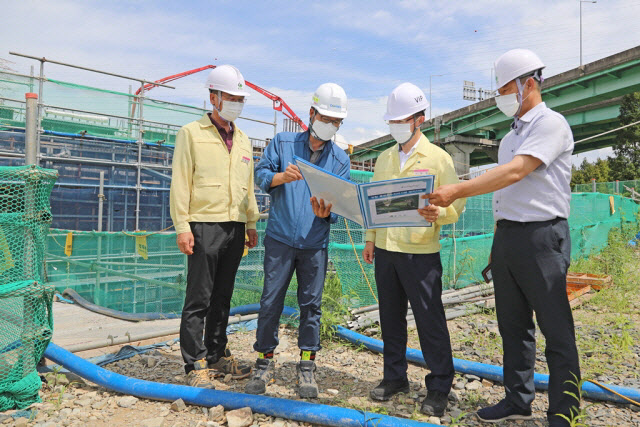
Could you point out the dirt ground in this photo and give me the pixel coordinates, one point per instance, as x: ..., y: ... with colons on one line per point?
x: 345, y: 375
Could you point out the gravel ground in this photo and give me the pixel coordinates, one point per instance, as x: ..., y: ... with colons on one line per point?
x: 345, y: 375
x: 608, y: 336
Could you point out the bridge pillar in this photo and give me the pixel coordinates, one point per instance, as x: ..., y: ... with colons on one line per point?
x: 461, y: 155
x: 460, y: 148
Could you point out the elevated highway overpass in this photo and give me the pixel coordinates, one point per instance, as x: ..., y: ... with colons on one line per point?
x: 588, y: 96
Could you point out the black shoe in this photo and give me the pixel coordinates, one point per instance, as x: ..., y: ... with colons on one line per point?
x: 261, y: 377
x: 387, y: 388
x: 435, y: 403
x: 501, y: 411
x: 559, y: 422
x: 307, y: 386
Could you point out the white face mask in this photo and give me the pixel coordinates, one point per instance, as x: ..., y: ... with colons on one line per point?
x: 230, y: 110
x: 508, y: 104
x: 401, y: 132
x: 323, y: 131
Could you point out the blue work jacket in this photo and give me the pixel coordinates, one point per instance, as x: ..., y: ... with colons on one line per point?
x: 291, y: 218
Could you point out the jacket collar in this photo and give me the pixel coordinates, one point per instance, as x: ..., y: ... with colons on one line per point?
x: 422, y: 146
x: 205, y: 121
x: 532, y: 113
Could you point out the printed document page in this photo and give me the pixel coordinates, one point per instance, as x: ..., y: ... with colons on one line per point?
x: 342, y: 194
x: 396, y: 202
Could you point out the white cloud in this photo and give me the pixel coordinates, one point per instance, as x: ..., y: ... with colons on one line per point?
x: 367, y: 47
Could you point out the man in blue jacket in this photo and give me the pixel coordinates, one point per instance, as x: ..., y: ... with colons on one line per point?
x: 296, y: 239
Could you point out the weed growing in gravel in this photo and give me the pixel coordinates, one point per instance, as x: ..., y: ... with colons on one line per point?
x: 334, y: 310
x: 457, y: 421
x: 474, y: 399
x: 578, y: 415
x: 610, y: 332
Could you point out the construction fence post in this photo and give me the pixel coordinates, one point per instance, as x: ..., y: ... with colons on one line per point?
x: 31, y: 129
x: 593, y: 183
x: 96, y: 294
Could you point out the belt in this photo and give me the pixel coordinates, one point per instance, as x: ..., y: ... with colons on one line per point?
x: 506, y: 222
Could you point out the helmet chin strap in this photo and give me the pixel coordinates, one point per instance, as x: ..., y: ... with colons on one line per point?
x: 521, y: 94
x: 220, y: 109
x: 311, y: 131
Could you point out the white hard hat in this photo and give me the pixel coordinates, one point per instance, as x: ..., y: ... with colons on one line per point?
x: 404, y: 101
x: 516, y: 63
x: 226, y: 78
x: 330, y: 100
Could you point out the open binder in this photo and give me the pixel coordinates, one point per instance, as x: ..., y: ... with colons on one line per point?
x: 379, y: 204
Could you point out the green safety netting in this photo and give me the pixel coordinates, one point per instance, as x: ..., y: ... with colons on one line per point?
x: 92, y: 111
x: 26, y: 322
x: 620, y: 187
x: 109, y: 268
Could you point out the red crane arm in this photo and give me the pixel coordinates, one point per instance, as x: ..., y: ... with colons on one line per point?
x: 278, y: 103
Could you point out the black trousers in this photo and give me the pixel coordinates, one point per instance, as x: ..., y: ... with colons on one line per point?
x: 211, y: 274
x: 529, y: 265
x: 417, y: 278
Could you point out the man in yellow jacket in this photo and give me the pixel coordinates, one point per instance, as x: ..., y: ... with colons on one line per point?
x: 408, y: 266
x: 212, y: 207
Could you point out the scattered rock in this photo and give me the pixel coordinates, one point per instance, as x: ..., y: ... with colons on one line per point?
x: 487, y: 383
x: 149, y: 361
x: 178, y: 405
x: 242, y: 417
x: 100, y: 405
x: 216, y: 413
x: 153, y: 422
x: 83, y: 402
x: 332, y: 391
x: 473, y: 385
x: 434, y: 420
x: 127, y: 401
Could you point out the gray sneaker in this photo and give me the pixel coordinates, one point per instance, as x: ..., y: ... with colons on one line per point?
x: 307, y: 386
x: 263, y: 375
x: 228, y: 364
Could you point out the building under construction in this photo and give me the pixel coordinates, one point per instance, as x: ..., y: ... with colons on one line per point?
x: 97, y: 138
x: 110, y: 203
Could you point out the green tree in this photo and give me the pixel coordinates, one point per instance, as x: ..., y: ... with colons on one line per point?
x: 626, y: 163
x: 599, y: 170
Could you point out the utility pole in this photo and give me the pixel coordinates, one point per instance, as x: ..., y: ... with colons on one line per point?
x: 582, y: 1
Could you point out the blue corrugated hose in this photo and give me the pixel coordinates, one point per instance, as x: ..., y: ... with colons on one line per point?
x: 291, y: 409
x: 273, y: 406
x: 492, y: 372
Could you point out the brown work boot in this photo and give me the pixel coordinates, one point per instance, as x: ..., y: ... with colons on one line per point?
x: 228, y: 364
x: 199, y: 376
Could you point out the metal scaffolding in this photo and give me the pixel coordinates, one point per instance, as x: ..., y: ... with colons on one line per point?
x: 129, y: 160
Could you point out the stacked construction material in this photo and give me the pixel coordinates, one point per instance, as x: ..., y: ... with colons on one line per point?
x: 26, y: 322
x: 457, y: 302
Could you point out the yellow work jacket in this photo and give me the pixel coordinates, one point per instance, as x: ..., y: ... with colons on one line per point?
x: 209, y: 183
x: 426, y: 159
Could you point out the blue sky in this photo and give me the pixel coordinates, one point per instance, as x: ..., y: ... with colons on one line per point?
x: 290, y: 48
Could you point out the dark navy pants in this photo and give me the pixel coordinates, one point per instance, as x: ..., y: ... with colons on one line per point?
x: 416, y: 278
x: 529, y: 262
x: 211, y: 275
x: 280, y: 261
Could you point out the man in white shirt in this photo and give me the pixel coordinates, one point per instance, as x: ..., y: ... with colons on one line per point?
x: 531, y: 247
